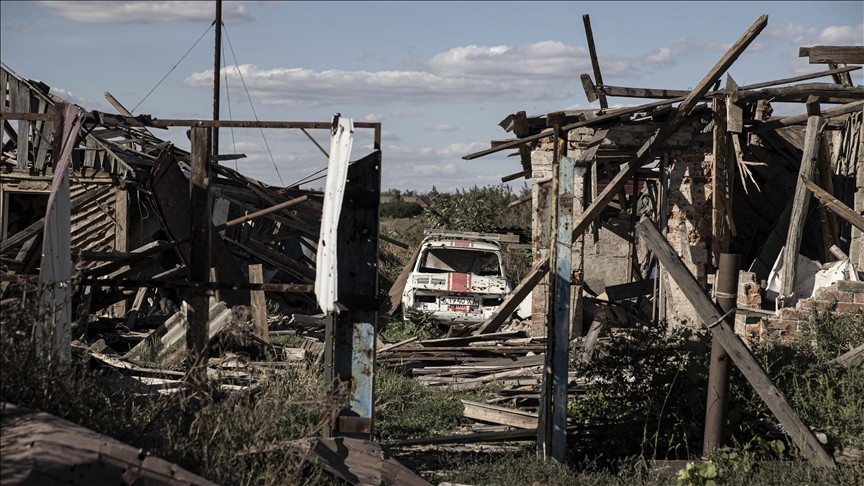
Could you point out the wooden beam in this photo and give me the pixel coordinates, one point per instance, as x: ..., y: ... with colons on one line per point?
x: 258, y: 302
x: 199, y: 259
x: 645, y: 153
x: 853, y: 107
x: 833, y: 54
x: 671, y: 94
x: 499, y: 415
x: 586, y: 20
x: 834, y: 204
x: 800, y: 92
x: 629, y: 290
x: 800, y: 204
x: 503, y: 312
x: 722, y: 328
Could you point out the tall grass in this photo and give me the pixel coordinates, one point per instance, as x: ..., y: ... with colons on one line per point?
x: 243, y: 437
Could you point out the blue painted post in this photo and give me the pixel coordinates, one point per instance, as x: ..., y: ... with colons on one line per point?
x: 561, y: 326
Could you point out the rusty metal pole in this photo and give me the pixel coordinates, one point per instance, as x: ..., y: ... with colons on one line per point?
x: 718, y: 373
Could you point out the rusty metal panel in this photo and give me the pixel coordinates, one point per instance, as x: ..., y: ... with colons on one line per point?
x: 350, y: 350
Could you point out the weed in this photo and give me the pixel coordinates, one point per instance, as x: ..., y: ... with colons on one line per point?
x: 406, y: 409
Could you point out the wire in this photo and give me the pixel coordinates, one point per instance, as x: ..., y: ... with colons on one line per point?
x: 228, y: 99
x: 237, y: 66
x: 172, y: 68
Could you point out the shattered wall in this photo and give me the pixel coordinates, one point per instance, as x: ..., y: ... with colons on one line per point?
x: 688, y: 228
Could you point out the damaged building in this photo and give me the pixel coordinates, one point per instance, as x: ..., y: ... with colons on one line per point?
x: 728, y: 178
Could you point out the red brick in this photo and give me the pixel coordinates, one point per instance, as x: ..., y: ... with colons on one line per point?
x: 859, y: 298
x: 782, y: 324
x: 790, y: 335
x: 831, y: 295
x: 850, y: 286
x: 848, y: 307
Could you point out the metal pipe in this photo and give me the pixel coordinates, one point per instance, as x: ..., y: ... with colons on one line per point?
x: 718, y: 373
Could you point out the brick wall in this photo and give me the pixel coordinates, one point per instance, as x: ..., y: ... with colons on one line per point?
x: 689, y: 227
x: 843, y: 297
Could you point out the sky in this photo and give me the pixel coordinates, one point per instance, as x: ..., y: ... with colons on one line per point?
x: 439, y: 76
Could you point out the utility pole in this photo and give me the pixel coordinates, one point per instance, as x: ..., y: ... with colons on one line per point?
x: 216, y: 73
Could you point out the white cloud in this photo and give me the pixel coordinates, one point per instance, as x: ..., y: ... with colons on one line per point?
x: 842, y: 35
x: 796, y: 34
x: 442, y: 128
x: 145, y: 12
x: 429, y: 169
x: 373, y: 117
x: 82, y: 101
x: 547, y: 59
x: 300, y: 87
x: 405, y: 114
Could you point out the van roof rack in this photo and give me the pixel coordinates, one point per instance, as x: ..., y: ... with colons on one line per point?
x: 468, y: 235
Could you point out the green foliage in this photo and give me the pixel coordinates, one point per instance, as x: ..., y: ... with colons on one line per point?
x: 400, y: 209
x: 824, y: 394
x: 395, y: 330
x: 406, y: 409
x: 829, y: 334
x: 478, y: 209
x: 651, y: 381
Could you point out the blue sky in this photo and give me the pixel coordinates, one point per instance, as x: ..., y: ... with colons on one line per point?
x: 439, y: 76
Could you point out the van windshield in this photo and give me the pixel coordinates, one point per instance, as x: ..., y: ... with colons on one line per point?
x: 440, y: 260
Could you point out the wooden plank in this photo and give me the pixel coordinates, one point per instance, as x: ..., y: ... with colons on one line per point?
x: 506, y: 309
x: 671, y: 94
x: 800, y: 92
x: 630, y: 290
x: 589, y: 35
x: 35, y: 228
x: 734, y: 111
x: 834, y: 204
x: 588, y: 85
x: 800, y: 206
x: 499, y: 415
x: 465, y: 340
x: 723, y: 330
x: 833, y: 54
x: 258, y: 302
x: 22, y: 103
x: 854, y: 107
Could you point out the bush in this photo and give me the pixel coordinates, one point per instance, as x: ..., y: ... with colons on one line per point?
x: 647, y: 394
x: 400, y: 209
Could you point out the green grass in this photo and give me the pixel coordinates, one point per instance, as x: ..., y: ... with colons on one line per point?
x: 650, y: 403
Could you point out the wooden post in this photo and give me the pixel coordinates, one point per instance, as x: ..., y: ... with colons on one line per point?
x: 800, y: 203
x: 259, y: 304
x: 718, y: 372
x: 552, y: 428
x: 199, y: 265
x: 53, y: 329
x: 722, y: 327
